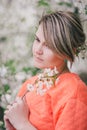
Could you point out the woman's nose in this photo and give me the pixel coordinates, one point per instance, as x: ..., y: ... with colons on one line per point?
x: 39, y: 50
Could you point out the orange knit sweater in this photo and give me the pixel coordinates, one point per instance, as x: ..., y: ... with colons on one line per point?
x: 62, y: 107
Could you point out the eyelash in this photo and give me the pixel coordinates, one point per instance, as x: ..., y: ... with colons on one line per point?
x: 39, y: 41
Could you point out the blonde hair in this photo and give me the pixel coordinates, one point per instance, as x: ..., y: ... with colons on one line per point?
x: 63, y: 32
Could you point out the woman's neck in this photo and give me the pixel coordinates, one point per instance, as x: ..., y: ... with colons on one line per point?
x: 63, y: 69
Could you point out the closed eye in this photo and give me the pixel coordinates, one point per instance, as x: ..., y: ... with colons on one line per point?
x: 37, y: 39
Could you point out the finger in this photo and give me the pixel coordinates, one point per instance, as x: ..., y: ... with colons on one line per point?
x: 24, y: 98
x: 7, y: 109
x: 25, y: 103
x: 17, y: 98
x: 9, y: 106
x: 22, y: 101
x: 8, y: 125
x: 5, y: 118
x: 5, y: 112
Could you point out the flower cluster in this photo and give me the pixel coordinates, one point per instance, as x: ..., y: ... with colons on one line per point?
x: 44, y: 81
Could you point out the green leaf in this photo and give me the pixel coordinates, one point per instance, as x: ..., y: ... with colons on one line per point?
x: 23, y: 19
x: 11, y: 66
x: 85, y: 9
x: 76, y: 10
x: 32, y: 69
x: 6, y: 87
x: 26, y: 69
x: 68, y: 4
x: 65, y: 3
x: 35, y: 71
x: 43, y: 3
x: 12, y: 69
x: 3, y: 39
x: 60, y: 3
x: 49, y: 11
x: 9, y: 63
x: 1, y: 91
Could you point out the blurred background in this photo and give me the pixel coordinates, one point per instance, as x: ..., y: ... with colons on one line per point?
x: 18, y: 24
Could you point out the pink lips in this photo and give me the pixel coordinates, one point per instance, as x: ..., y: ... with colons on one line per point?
x: 38, y: 59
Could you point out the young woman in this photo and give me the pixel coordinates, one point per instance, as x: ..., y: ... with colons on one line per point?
x: 55, y: 99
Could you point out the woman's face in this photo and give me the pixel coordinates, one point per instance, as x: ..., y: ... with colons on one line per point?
x: 43, y: 56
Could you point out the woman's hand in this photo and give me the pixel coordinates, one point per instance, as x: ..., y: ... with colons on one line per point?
x: 8, y: 125
x: 17, y: 114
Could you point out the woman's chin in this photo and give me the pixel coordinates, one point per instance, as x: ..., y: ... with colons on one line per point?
x: 41, y: 66
x: 37, y: 65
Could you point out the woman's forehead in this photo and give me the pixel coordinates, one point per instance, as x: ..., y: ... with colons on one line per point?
x: 39, y: 30
x: 40, y: 33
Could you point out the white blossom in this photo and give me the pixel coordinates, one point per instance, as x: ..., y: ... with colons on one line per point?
x: 40, y: 83
x: 40, y: 76
x: 57, y: 80
x: 20, y: 76
x: 4, y: 81
x: 47, y: 70
x: 55, y: 70
x: 3, y: 71
x: 30, y: 87
x: 44, y: 82
x: 48, y: 84
x: 51, y: 72
x: 41, y: 91
x: 5, y: 100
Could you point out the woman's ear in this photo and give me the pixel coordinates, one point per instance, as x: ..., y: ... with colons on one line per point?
x: 66, y: 59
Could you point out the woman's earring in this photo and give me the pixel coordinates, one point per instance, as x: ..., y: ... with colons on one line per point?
x: 65, y: 61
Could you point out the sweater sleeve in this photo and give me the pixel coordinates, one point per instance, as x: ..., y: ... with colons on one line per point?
x: 73, y: 116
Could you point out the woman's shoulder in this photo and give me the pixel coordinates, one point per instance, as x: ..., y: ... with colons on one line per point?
x: 68, y: 85
x: 69, y: 75
x: 23, y: 88
x: 70, y: 78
